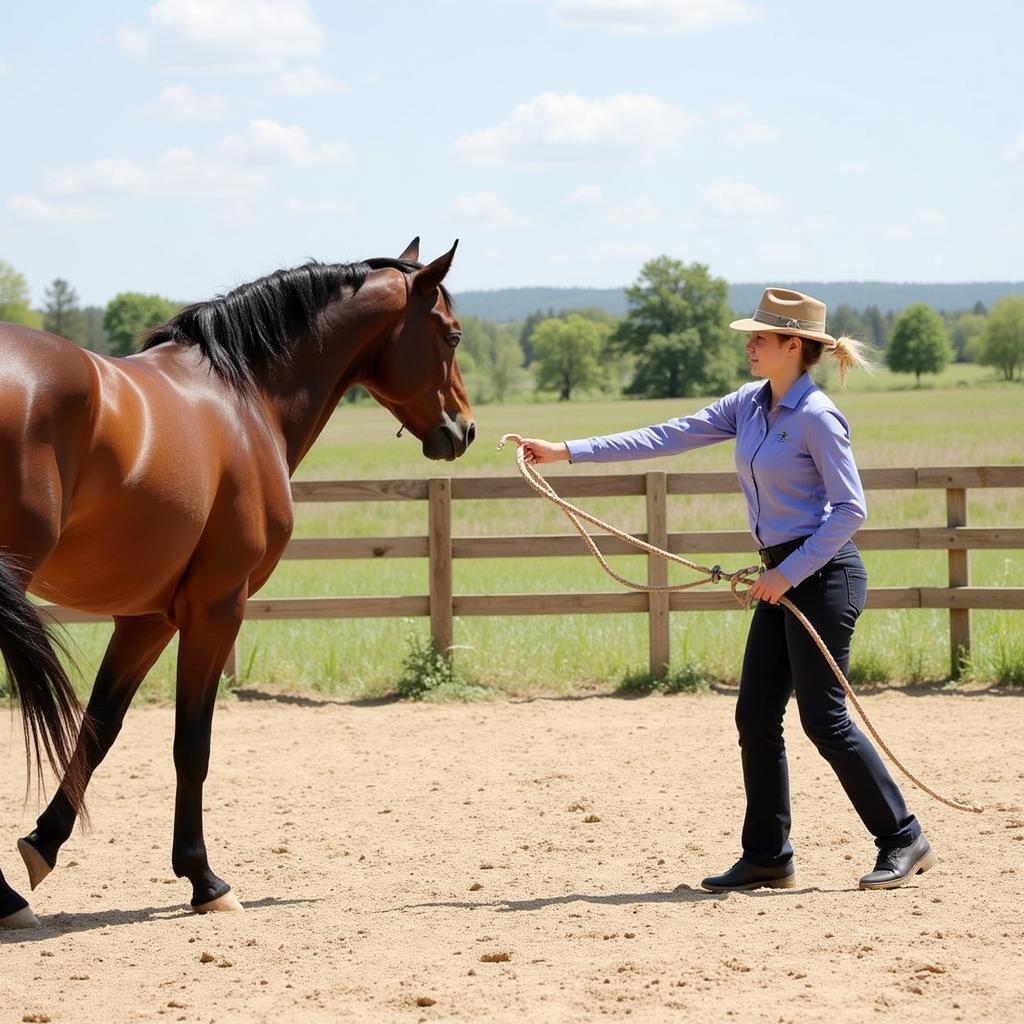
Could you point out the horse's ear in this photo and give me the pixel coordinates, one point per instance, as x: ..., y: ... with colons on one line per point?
x: 412, y: 251
x: 429, y: 277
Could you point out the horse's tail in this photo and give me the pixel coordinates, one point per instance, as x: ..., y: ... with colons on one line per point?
x: 50, y: 711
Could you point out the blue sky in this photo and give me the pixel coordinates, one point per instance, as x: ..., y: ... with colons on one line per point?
x: 185, y: 146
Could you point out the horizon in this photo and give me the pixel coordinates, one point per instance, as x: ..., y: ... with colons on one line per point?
x: 184, y: 149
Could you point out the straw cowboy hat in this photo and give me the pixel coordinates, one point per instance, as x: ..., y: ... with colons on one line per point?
x: 786, y: 312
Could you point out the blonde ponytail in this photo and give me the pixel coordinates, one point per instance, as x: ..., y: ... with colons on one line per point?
x: 851, y: 354
x: 848, y: 352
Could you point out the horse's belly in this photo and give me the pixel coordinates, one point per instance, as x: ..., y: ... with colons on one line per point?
x: 111, y: 571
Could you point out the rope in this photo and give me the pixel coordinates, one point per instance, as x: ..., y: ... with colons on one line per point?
x: 713, y: 574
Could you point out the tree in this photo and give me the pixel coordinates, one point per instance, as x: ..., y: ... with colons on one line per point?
x: 875, y: 324
x: 1001, y: 343
x: 61, y: 313
x: 128, y: 314
x: 95, y: 337
x: 918, y: 343
x: 569, y: 354
x: 678, y: 327
x: 962, y: 332
x: 490, y: 359
x: 14, y: 298
x: 845, y: 319
x: 526, y: 334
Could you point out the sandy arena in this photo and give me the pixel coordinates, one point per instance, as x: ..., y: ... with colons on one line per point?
x: 533, y: 860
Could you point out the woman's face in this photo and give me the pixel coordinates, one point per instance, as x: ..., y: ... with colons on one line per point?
x: 771, y: 354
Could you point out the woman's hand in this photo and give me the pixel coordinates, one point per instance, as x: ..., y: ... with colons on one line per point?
x: 538, y: 451
x: 770, y: 587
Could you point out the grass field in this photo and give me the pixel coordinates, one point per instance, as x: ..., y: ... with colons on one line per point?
x: 964, y: 417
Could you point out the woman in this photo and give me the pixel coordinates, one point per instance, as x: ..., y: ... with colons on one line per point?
x: 804, y: 503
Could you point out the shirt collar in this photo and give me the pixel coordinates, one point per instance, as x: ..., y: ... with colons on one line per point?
x: 793, y: 397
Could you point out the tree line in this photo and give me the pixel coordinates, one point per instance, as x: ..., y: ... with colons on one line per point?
x: 114, y: 329
x: 673, y: 341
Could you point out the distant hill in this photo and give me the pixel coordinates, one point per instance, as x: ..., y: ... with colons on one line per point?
x: 503, y: 304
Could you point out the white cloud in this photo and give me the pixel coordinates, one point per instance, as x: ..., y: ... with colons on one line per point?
x: 176, y: 172
x: 329, y: 208
x: 738, y: 126
x: 268, y: 142
x: 179, y: 172
x: 182, y: 103
x: 305, y: 82
x: 922, y: 223
x: 749, y: 132
x: 1015, y: 150
x: 5, y: 67
x: 632, y: 17
x: 737, y: 199
x: 633, y: 211
x: 563, y: 126
x: 484, y: 208
x: 821, y: 221
x: 625, y: 254
x: 586, y: 195
x: 109, y: 175
x: 34, y: 210
x: 224, y: 35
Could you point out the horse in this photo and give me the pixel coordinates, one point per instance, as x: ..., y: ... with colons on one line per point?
x: 155, y: 489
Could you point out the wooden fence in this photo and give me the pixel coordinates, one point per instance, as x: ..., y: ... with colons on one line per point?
x: 441, y: 548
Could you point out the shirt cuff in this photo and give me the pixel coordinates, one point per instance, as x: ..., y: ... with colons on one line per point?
x: 580, y: 451
x: 796, y: 567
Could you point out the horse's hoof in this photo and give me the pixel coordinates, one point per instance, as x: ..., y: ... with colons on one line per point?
x: 38, y: 869
x: 226, y: 902
x: 23, y: 918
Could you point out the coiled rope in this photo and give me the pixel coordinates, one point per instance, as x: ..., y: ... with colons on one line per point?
x: 712, y: 574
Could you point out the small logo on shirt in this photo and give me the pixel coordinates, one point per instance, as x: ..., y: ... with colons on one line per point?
x: 783, y: 435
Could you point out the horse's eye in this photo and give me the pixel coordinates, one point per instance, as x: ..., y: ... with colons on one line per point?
x: 453, y: 339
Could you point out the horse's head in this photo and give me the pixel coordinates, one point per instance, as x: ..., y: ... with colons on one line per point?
x: 415, y: 373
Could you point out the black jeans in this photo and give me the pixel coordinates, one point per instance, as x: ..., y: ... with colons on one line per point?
x: 780, y: 659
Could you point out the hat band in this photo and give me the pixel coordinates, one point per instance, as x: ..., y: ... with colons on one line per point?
x: 763, y: 316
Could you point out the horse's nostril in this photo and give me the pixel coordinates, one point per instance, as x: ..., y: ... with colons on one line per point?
x: 470, y: 433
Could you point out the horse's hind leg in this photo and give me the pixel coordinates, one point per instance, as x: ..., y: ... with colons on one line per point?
x: 14, y: 910
x: 133, y: 648
x: 206, y: 640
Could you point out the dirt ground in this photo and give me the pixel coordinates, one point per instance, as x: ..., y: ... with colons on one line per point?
x: 532, y: 860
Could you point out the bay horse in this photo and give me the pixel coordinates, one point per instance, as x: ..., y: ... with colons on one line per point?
x: 155, y: 489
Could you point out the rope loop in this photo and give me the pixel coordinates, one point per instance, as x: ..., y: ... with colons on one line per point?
x: 712, y: 574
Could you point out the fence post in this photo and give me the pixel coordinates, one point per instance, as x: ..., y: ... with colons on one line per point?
x: 959, y: 576
x: 657, y: 572
x: 439, y: 495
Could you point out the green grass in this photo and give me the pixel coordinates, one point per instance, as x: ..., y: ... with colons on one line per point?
x: 979, y: 423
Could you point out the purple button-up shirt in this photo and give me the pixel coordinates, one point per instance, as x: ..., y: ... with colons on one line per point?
x: 794, y: 462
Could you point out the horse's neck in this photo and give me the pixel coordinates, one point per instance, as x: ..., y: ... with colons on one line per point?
x: 302, y: 397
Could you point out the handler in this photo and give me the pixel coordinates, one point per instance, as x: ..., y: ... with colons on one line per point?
x: 804, y: 502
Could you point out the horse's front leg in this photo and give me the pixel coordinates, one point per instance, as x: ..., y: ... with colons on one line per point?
x: 134, y: 647
x: 14, y: 909
x: 206, y: 640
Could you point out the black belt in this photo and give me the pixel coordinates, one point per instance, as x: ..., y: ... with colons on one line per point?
x: 777, y: 553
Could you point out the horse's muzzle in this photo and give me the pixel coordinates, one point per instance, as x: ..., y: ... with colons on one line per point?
x: 449, y: 440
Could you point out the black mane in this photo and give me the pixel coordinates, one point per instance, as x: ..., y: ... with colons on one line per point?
x: 249, y: 329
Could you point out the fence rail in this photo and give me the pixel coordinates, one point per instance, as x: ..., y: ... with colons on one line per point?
x: 443, y: 606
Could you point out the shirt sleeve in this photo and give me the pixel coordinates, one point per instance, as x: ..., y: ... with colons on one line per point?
x: 828, y: 443
x: 712, y: 424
